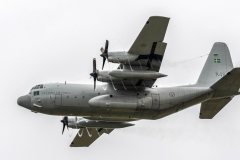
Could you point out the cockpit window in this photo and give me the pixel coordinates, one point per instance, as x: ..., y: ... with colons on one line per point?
x: 36, y: 93
x: 40, y: 86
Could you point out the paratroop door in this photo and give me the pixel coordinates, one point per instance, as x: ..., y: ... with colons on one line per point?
x: 58, y: 99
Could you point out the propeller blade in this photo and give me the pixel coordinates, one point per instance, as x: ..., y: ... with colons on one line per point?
x: 65, y: 123
x: 104, y: 53
x: 95, y: 83
x: 63, y: 128
x: 95, y: 73
x: 106, y: 47
x: 104, y: 59
x: 94, y: 64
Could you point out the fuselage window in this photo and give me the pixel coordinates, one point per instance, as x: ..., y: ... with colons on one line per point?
x: 36, y: 93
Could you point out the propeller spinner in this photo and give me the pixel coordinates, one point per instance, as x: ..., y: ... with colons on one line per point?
x: 65, y: 123
x: 104, y: 53
x: 94, y: 74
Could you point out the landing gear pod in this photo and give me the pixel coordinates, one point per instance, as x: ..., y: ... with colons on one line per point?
x: 120, y: 103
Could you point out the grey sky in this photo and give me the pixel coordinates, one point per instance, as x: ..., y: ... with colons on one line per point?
x: 53, y: 41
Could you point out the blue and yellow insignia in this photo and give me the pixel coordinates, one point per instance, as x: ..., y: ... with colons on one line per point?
x: 217, y: 60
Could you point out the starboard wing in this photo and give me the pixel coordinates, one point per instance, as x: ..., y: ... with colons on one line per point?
x: 153, y: 31
x: 150, y: 47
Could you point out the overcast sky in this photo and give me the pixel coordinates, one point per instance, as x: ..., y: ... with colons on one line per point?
x: 54, y: 40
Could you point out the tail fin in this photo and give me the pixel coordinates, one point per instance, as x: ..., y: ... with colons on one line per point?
x: 218, y: 64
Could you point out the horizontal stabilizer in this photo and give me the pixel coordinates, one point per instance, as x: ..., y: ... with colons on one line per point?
x: 225, y: 88
x: 230, y: 82
x: 211, y: 107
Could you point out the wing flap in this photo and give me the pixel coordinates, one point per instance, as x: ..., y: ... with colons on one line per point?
x: 86, y: 137
x: 211, y: 107
x: 160, y: 48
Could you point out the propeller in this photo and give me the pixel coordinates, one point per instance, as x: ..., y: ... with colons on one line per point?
x: 65, y: 123
x: 104, y: 53
x: 94, y: 74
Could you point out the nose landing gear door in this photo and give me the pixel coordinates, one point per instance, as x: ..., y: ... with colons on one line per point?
x: 58, y: 100
x: 36, y: 99
x: 39, y: 101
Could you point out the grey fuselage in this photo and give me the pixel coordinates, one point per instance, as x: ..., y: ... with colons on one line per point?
x: 120, y: 104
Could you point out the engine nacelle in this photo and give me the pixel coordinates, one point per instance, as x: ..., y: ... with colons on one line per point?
x: 77, y: 122
x: 104, y: 76
x: 118, y: 75
x: 137, y: 74
x: 121, y: 57
x: 120, y: 103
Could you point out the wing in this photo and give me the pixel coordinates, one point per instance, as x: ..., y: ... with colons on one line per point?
x: 211, y: 107
x: 153, y: 31
x: 150, y: 48
x: 86, y: 136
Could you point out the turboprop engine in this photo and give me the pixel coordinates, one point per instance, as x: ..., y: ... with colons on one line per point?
x: 121, y: 57
x: 116, y: 57
x: 104, y: 76
x: 137, y: 74
x: 77, y: 123
x: 118, y: 75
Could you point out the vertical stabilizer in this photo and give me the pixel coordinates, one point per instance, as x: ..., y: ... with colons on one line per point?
x: 218, y: 64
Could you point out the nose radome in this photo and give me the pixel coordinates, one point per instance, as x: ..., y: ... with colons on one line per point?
x: 24, y: 101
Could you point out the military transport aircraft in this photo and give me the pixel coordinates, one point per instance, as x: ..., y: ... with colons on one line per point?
x: 128, y: 94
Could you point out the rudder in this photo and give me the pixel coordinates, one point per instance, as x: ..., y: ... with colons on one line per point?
x: 218, y: 64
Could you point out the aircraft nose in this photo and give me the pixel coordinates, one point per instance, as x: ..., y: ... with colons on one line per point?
x: 24, y: 101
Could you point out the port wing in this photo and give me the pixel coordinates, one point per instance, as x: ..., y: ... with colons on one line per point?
x: 86, y: 136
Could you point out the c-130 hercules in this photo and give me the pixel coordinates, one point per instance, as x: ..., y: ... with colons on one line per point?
x: 128, y: 94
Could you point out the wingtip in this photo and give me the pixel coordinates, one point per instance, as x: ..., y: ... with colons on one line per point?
x: 159, y: 17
